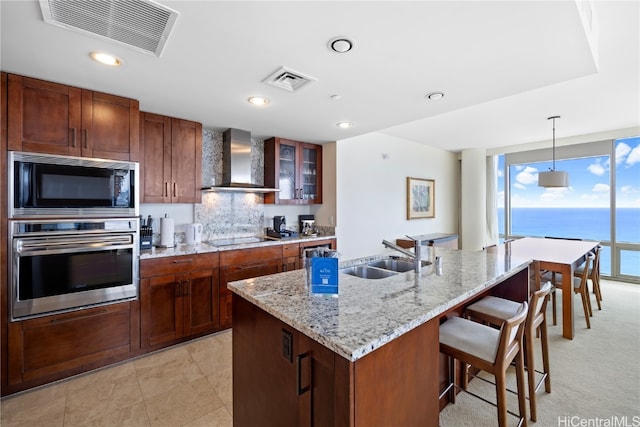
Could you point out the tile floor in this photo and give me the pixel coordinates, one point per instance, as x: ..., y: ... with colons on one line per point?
x: 187, y: 385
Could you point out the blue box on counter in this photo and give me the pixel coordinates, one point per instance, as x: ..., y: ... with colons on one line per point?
x: 324, y: 275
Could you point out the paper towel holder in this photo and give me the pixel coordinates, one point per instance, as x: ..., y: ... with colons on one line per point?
x: 167, y: 235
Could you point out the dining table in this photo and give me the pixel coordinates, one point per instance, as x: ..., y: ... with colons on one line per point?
x: 560, y: 256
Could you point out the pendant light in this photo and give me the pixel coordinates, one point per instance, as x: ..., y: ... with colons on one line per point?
x: 553, y: 178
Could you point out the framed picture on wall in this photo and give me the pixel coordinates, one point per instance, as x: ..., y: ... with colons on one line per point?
x: 421, y: 200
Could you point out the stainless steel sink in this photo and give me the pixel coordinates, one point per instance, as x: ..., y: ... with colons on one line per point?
x: 398, y: 265
x: 367, y: 272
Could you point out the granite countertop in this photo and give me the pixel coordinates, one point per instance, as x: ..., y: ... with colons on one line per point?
x: 204, y: 247
x: 368, y: 313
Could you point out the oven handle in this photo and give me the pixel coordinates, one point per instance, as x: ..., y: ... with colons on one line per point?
x: 38, y: 245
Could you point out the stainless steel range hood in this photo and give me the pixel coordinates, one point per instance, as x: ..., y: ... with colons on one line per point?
x: 236, y: 164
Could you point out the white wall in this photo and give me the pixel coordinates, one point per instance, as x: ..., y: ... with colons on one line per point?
x: 371, y: 173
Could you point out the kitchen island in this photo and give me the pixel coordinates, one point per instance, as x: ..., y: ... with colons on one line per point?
x: 369, y: 356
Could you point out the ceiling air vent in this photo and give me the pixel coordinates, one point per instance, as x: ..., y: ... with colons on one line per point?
x: 287, y: 79
x: 140, y: 24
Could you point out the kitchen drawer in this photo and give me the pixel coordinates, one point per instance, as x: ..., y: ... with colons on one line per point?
x: 253, y: 255
x: 290, y: 249
x: 68, y: 342
x: 178, y: 264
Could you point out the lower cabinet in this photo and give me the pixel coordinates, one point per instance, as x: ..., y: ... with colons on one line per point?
x: 291, y: 256
x: 243, y: 264
x: 286, y: 379
x: 179, y: 298
x: 282, y: 377
x: 52, y: 347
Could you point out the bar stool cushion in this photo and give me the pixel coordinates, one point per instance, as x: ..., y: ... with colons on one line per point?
x: 470, y: 337
x: 499, y: 308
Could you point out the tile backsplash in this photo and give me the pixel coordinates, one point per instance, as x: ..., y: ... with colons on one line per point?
x: 228, y: 214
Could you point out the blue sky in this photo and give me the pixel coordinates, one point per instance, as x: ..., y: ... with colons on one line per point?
x: 588, y: 181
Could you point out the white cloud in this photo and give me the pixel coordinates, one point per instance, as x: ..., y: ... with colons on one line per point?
x: 622, y: 150
x: 628, y: 189
x: 634, y: 156
x: 553, y: 194
x: 519, y: 186
x: 596, y: 169
x: 500, y: 173
x: 600, y: 188
x: 528, y: 176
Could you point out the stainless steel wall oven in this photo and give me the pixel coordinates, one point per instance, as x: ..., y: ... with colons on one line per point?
x: 66, y: 264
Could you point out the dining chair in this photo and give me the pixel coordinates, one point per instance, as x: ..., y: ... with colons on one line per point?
x: 495, y: 311
x: 579, y: 287
x: 490, y: 350
x: 594, y: 275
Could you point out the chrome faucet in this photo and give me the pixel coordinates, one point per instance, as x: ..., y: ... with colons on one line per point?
x: 417, y: 255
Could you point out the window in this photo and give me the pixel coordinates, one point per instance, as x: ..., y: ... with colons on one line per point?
x: 585, y: 209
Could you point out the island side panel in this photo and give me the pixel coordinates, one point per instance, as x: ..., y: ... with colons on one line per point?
x: 269, y: 380
x: 397, y: 384
x: 263, y: 380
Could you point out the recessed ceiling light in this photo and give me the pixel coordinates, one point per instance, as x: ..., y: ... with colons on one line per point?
x: 258, y: 100
x: 105, y: 58
x: 344, y: 125
x: 434, y: 96
x: 341, y: 44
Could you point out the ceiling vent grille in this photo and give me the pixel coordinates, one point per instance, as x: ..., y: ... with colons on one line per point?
x: 140, y: 24
x: 287, y: 79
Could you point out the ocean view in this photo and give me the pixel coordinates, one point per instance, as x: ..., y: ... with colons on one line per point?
x: 583, y: 223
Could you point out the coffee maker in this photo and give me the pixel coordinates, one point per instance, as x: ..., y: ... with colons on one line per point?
x: 280, y: 228
x: 307, y: 225
x: 279, y: 223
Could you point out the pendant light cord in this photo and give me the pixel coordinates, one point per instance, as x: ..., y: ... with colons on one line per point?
x: 554, y: 140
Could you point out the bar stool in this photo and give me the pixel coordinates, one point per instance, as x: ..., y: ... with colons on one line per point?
x: 490, y: 350
x: 495, y: 311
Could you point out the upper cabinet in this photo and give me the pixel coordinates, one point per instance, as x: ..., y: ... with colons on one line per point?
x: 295, y: 168
x: 171, y: 164
x: 46, y: 117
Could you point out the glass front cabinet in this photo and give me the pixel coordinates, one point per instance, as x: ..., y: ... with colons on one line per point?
x: 295, y: 168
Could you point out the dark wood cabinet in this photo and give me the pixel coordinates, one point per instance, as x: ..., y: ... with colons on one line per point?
x: 295, y: 168
x: 243, y: 264
x: 283, y: 377
x: 46, y: 117
x: 179, y: 298
x: 57, y: 346
x: 286, y: 379
x: 291, y: 256
x: 171, y: 164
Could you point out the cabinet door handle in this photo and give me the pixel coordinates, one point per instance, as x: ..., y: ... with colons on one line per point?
x: 166, y: 189
x: 299, y: 358
x: 183, y: 261
x: 175, y: 193
x: 86, y: 138
x: 73, y: 138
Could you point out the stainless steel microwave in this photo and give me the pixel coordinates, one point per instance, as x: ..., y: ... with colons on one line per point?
x: 43, y: 185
